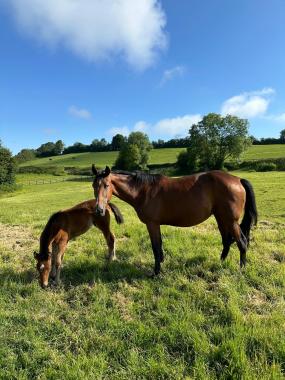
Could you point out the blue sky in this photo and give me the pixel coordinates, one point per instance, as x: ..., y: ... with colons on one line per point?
x: 89, y: 69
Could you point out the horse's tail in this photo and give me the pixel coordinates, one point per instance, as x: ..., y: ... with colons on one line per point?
x: 250, y: 209
x: 118, y: 216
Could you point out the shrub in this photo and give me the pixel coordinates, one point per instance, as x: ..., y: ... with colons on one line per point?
x: 266, y: 167
x: 55, y: 170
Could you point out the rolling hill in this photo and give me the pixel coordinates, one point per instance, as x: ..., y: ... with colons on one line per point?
x: 157, y: 156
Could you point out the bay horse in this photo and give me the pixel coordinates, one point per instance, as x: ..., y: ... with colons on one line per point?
x: 65, y: 225
x: 183, y: 202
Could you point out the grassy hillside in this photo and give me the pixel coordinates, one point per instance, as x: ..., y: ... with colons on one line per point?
x: 157, y: 156
x: 201, y: 319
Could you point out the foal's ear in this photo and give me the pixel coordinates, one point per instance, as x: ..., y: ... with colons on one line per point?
x: 107, y: 171
x: 94, y: 170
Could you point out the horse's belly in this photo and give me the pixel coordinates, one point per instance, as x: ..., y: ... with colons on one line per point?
x: 186, y: 216
x: 184, y: 222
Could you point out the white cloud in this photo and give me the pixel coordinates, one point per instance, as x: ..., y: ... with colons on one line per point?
x: 278, y: 118
x: 121, y: 130
x: 170, y: 74
x: 96, y: 29
x: 177, y: 126
x: 79, y: 112
x: 248, y: 104
x: 141, y: 126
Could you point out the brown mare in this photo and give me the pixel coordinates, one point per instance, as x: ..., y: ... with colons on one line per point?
x: 68, y: 224
x: 183, y: 202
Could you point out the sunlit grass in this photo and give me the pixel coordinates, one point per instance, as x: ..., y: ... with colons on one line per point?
x: 201, y: 319
x: 157, y: 156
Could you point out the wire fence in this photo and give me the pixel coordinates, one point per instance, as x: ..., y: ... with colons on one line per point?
x: 58, y: 180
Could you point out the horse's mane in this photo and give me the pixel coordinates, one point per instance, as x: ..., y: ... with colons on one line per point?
x: 45, y: 235
x: 141, y: 178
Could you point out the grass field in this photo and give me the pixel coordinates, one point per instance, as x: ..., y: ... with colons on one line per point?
x: 157, y: 156
x: 201, y: 319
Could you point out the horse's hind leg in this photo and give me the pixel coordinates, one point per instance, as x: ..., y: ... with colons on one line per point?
x: 227, y: 238
x: 241, y: 243
x: 227, y: 242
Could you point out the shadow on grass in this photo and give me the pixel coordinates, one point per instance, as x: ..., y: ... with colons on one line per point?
x: 23, y: 277
x: 89, y: 272
x: 74, y: 274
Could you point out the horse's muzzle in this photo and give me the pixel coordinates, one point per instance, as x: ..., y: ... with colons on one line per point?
x: 100, y: 211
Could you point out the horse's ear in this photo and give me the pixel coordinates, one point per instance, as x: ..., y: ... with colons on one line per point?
x: 107, y: 171
x: 36, y: 255
x: 94, y: 170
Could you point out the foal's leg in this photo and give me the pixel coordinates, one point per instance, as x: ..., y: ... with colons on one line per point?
x: 110, y: 240
x: 59, y: 257
x: 104, y: 225
x: 53, y: 260
x: 156, y: 242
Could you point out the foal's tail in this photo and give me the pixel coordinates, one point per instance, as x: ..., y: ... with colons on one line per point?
x: 250, y: 210
x: 118, y: 216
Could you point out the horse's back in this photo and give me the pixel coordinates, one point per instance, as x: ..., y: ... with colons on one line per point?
x: 189, y: 200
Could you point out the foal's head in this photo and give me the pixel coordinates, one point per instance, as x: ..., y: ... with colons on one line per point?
x: 102, y: 188
x: 43, y: 267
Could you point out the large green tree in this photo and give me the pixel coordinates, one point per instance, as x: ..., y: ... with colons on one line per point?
x: 118, y: 141
x: 7, y: 167
x: 213, y: 140
x: 135, y: 152
x: 282, y: 136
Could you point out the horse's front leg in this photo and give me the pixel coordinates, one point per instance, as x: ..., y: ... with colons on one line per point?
x: 156, y: 243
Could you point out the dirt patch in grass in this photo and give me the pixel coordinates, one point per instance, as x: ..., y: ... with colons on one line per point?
x: 16, y: 237
x: 123, y: 305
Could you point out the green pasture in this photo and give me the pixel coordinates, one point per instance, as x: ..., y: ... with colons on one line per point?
x: 157, y: 156
x: 201, y: 319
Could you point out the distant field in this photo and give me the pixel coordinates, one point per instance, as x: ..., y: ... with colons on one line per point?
x: 157, y: 156
x: 258, y: 152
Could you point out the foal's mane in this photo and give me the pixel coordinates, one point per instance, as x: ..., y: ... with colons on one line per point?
x: 45, y: 235
x: 141, y: 178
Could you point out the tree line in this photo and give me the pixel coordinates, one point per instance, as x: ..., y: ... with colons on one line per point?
x: 210, y: 142
x: 118, y: 141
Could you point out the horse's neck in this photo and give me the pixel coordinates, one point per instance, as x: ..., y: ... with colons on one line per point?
x: 123, y: 190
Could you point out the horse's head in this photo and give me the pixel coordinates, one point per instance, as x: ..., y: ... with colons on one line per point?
x: 43, y: 267
x: 102, y: 188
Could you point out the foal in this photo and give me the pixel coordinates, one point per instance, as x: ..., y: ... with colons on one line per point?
x: 68, y: 224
